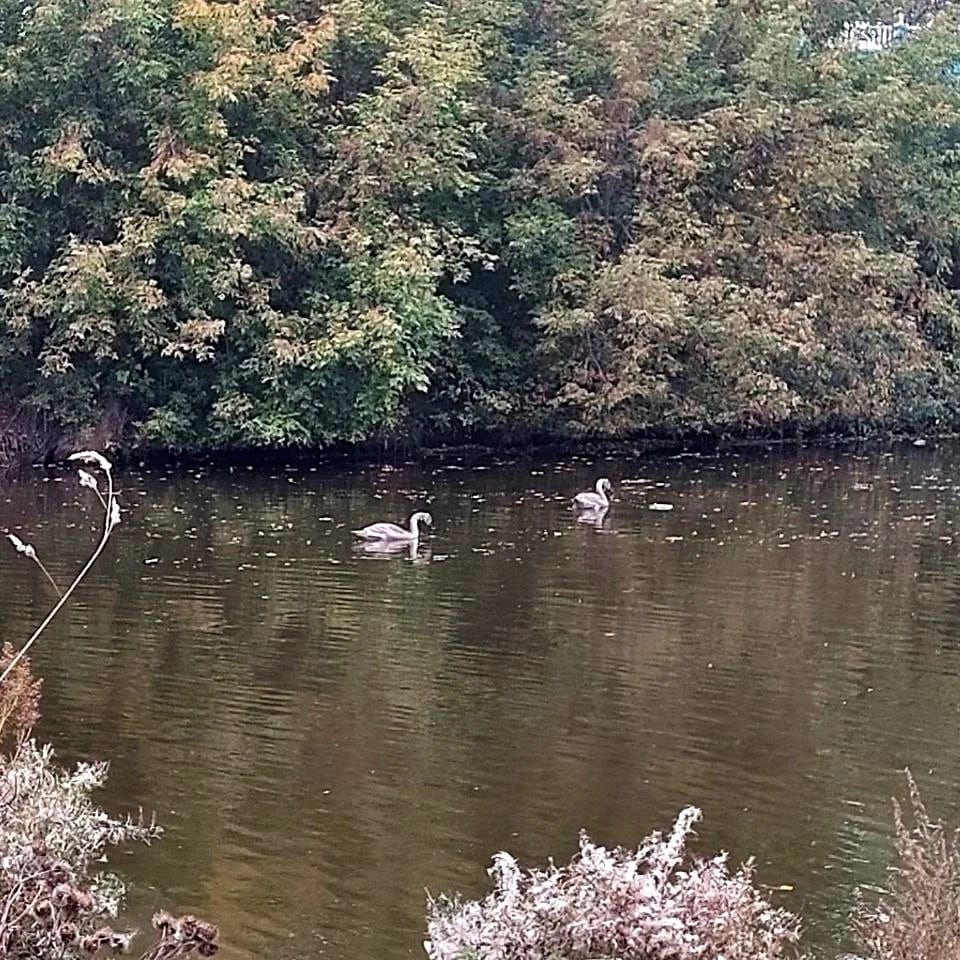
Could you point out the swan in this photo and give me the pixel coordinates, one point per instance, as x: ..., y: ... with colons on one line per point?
x: 391, y: 531
x: 595, y: 501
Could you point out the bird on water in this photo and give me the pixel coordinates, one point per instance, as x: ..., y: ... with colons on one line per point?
x: 393, y: 531
x: 590, y: 500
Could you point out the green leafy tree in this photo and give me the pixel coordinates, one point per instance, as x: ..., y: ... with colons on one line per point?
x: 230, y: 223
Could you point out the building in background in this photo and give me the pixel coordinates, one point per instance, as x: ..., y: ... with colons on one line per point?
x: 872, y: 37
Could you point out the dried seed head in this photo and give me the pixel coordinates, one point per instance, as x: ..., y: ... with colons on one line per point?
x: 91, y: 456
x: 208, y: 949
x: 207, y: 931
x: 62, y: 894
x: 25, y: 548
x: 68, y: 932
x: 88, y: 480
x: 82, y: 899
x: 90, y: 945
x: 119, y: 942
x: 164, y: 922
x: 42, y: 909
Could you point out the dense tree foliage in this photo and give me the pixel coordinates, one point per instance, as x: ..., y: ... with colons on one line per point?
x: 240, y: 222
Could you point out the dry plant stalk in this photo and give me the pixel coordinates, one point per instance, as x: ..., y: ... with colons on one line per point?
x: 111, y: 517
x: 180, y: 936
x: 19, y: 697
x: 918, y: 918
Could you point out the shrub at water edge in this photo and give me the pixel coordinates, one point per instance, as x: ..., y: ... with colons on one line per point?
x: 659, y: 903
x: 652, y: 903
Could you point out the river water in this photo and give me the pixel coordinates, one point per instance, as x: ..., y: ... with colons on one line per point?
x: 326, y: 732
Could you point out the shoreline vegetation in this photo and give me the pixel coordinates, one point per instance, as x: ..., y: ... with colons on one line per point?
x: 660, y: 901
x: 278, y: 225
x: 395, y: 450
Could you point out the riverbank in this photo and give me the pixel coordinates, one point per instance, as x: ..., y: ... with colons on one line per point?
x: 51, y: 445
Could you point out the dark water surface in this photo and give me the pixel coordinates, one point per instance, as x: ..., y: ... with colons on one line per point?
x: 324, y: 733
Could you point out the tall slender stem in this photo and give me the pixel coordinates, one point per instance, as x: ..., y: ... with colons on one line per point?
x: 107, y: 528
x: 46, y: 573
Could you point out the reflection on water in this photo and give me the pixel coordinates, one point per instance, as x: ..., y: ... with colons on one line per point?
x: 411, y: 549
x: 324, y: 736
x: 594, y: 518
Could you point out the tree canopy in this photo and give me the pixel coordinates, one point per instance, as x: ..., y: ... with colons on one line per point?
x: 288, y: 223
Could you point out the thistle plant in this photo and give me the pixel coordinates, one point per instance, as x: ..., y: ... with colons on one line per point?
x: 52, y: 904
